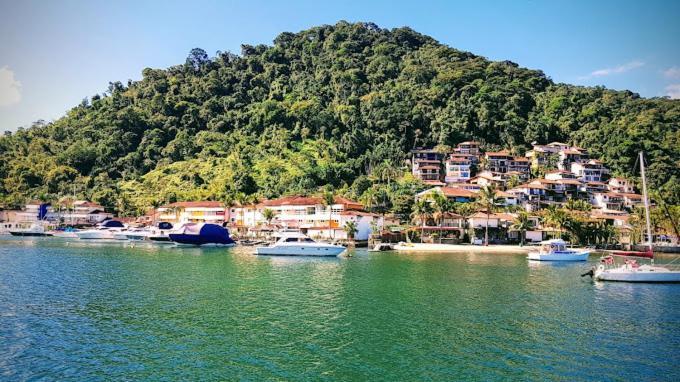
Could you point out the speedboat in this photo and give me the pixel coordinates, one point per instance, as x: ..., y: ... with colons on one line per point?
x: 298, y: 244
x: 203, y: 234
x: 160, y: 232
x: 556, y: 250
x: 36, y: 229
x: 65, y: 233
x: 134, y: 234
x: 104, y: 230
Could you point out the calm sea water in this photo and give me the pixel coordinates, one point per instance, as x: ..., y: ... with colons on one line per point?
x: 110, y: 312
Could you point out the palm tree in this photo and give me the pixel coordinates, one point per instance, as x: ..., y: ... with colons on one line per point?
x: 465, y: 210
x: 487, y: 201
x: 254, y: 199
x: 557, y: 218
x: 328, y: 199
x: 440, y: 207
x: 351, y: 229
x: 268, y: 215
x: 242, y: 200
x: 155, y: 204
x: 422, y: 210
x: 522, y: 224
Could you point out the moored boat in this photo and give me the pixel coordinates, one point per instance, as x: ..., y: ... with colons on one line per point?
x: 298, y: 244
x: 36, y: 229
x: 160, y: 232
x: 556, y: 250
x: 202, y: 234
x: 104, y: 231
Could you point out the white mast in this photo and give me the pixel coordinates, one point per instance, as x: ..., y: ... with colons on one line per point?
x: 646, y: 200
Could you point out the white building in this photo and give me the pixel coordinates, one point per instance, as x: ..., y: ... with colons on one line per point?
x: 196, y: 212
x: 591, y: 171
x: 621, y: 185
x: 309, y: 215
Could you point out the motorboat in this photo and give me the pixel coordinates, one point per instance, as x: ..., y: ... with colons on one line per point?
x: 104, y: 230
x: 35, y: 229
x: 298, y: 244
x: 160, y: 232
x: 65, y: 233
x: 556, y: 250
x: 202, y: 234
x: 133, y: 234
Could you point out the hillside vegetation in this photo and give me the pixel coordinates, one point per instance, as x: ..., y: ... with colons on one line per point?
x: 337, y: 105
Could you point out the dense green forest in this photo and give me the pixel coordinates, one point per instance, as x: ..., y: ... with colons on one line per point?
x: 334, y: 106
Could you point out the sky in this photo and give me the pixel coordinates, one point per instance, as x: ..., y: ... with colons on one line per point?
x: 55, y: 53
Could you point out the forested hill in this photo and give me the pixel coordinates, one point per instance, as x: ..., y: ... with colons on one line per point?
x: 322, y: 106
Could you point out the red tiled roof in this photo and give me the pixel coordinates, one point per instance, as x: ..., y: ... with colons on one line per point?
x: 498, y: 153
x: 569, y: 181
x: 453, y: 192
x: 298, y: 200
x: 197, y: 204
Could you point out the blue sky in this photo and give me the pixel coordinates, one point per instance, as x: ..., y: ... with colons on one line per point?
x: 55, y: 53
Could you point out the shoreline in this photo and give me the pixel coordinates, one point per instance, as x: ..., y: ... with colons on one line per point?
x: 462, y: 248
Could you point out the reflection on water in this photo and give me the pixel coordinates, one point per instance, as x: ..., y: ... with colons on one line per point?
x: 81, y: 311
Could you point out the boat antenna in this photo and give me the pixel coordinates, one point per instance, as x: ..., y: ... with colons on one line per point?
x: 646, y: 201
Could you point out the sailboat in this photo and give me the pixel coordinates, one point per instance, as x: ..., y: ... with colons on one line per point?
x: 631, y: 270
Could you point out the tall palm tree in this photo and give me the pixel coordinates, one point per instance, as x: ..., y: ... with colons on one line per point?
x: 328, y: 199
x: 254, y: 199
x: 557, y: 218
x: 440, y: 207
x: 466, y: 210
x: 522, y: 224
x: 487, y: 201
x: 242, y: 200
x: 422, y: 210
x: 155, y: 203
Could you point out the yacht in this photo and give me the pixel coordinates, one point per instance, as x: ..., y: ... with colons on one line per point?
x: 556, y: 250
x: 65, y: 233
x: 36, y: 229
x: 104, y: 230
x: 298, y: 244
x: 134, y: 234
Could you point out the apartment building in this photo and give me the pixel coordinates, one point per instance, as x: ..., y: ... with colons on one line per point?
x: 591, y: 171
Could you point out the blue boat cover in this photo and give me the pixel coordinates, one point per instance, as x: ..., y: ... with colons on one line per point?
x: 164, y: 225
x: 112, y: 224
x: 200, y: 234
x: 42, y: 211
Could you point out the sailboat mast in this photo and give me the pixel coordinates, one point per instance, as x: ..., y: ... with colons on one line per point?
x: 646, y: 200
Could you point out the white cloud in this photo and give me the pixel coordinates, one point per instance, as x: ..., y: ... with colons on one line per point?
x: 615, y: 70
x: 673, y: 72
x: 673, y: 91
x: 10, y: 88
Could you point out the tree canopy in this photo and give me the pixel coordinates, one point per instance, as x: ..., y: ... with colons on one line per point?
x: 332, y: 105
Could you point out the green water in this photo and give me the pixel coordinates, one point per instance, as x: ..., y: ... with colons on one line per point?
x: 75, y: 311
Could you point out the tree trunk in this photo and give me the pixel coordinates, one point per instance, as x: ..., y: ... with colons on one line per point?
x: 486, y: 231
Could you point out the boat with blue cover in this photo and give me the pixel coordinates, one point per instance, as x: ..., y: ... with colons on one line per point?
x: 203, y: 234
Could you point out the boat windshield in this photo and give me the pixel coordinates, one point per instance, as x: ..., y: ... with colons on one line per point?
x: 298, y: 240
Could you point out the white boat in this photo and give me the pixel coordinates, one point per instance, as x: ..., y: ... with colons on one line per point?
x: 631, y: 271
x: 298, y: 244
x: 36, y: 229
x: 556, y: 250
x: 69, y: 233
x: 104, y: 231
x: 133, y: 234
x: 161, y: 232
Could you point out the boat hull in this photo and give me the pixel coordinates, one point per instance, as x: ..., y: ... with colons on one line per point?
x: 571, y: 256
x: 27, y: 233
x: 298, y: 250
x: 94, y: 235
x: 164, y: 239
x: 199, y: 240
x: 642, y: 275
